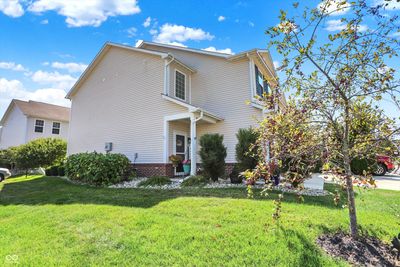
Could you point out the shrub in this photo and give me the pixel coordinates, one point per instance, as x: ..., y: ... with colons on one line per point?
x: 57, y: 170
x: 235, y: 176
x: 213, y: 154
x: 97, y: 168
x: 197, y: 180
x: 156, y: 181
x: 42, y: 152
x: 7, y: 157
x: 246, y: 150
x: 358, y: 166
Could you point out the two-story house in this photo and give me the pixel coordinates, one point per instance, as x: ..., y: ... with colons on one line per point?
x: 156, y: 100
x: 24, y: 121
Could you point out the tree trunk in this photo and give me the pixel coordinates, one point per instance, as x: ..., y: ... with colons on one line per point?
x: 349, y: 182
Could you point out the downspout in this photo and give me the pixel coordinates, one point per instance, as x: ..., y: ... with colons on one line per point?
x: 166, y: 73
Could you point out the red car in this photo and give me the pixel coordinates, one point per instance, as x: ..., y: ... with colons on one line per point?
x: 385, y: 164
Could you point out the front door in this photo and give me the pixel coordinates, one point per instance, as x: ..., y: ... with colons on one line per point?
x: 180, y: 150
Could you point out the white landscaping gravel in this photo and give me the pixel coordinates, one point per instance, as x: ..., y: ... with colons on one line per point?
x: 176, y: 184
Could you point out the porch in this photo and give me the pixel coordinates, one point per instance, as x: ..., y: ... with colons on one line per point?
x: 180, y: 136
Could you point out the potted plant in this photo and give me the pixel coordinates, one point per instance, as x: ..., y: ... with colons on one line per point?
x: 186, y: 166
x: 175, y: 159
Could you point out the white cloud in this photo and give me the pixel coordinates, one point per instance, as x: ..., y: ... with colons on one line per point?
x: 45, y: 21
x: 221, y: 18
x: 391, y: 5
x: 80, y: 13
x: 131, y: 32
x: 251, y: 24
x: 338, y: 25
x: 213, y: 49
x: 276, y: 64
x: 153, y: 31
x: 54, y: 79
x: 147, y: 22
x: 10, y: 89
x: 335, y: 25
x: 11, y: 8
x: 172, y: 33
x: 334, y: 7
x: 12, y: 66
x: 71, y: 67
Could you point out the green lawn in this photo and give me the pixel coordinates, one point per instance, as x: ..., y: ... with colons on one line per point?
x: 46, y: 221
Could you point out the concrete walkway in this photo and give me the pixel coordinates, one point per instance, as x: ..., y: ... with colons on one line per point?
x: 388, y: 181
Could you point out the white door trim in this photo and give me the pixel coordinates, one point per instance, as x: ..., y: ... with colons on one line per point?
x: 174, y: 134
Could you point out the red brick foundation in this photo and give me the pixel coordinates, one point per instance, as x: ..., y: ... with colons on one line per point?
x: 161, y: 169
x: 153, y: 169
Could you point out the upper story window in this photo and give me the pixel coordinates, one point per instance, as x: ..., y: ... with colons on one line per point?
x: 39, y: 126
x: 180, y: 85
x: 261, y: 83
x: 56, y: 128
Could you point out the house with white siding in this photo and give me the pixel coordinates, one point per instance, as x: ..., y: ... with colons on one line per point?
x: 24, y: 121
x: 154, y: 100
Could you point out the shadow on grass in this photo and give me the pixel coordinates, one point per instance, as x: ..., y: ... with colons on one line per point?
x: 310, y: 253
x: 54, y: 190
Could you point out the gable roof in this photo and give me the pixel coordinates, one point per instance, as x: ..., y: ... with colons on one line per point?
x: 39, y: 110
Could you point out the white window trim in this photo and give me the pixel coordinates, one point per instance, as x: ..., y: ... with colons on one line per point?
x: 34, y: 125
x: 186, y: 85
x: 253, y: 85
x: 52, y: 127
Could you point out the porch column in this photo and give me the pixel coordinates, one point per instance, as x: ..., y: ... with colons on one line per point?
x: 193, y: 145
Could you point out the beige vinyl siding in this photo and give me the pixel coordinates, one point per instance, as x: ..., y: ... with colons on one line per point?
x: 47, y: 131
x: 221, y: 87
x: 120, y: 102
x: 13, y: 132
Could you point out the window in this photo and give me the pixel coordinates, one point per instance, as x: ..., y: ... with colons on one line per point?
x: 180, y: 84
x: 56, y: 128
x: 39, y: 126
x: 261, y: 83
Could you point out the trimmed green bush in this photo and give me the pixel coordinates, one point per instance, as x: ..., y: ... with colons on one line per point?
x: 213, y: 154
x: 156, y: 181
x: 97, y: 168
x: 246, y: 150
x: 235, y: 176
x: 358, y: 166
x: 57, y: 170
x: 197, y: 180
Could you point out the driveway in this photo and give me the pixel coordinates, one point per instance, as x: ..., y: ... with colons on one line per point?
x: 389, y: 181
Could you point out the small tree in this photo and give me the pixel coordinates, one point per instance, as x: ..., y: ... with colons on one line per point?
x: 213, y: 154
x: 246, y: 149
x: 7, y: 157
x: 43, y: 152
x: 336, y: 74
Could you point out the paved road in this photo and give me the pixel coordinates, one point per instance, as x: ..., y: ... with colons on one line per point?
x: 388, y: 181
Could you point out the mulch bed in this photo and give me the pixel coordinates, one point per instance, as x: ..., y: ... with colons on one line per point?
x: 364, y: 251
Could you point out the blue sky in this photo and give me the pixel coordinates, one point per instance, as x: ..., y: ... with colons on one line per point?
x: 46, y: 44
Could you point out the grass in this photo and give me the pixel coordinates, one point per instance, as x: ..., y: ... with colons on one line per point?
x: 47, y: 221
x: 196, y: 180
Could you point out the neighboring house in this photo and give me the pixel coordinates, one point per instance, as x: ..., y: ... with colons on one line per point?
x: 24, y: 121
x: 156, y: 100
